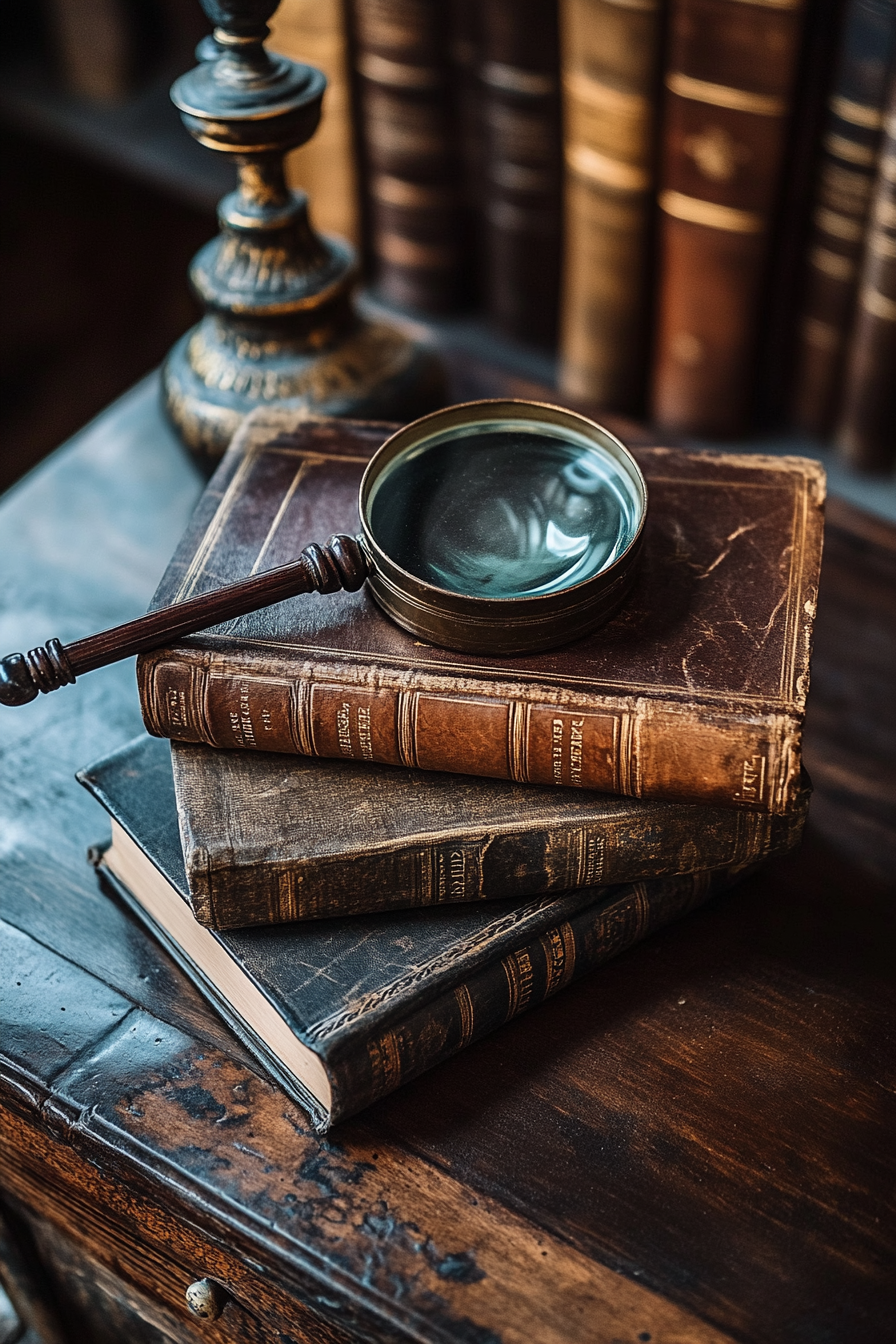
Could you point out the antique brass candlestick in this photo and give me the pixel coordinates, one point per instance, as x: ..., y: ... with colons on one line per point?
x: 279, y: 326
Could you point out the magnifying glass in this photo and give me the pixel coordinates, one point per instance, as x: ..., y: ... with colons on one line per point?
x: 495, y: 527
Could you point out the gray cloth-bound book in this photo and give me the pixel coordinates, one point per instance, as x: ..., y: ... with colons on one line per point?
x: 268, y: 837
x: 342, y: 1011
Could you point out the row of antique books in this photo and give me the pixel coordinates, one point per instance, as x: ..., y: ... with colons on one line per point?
x: 368, y: 851
x: 694, y: 201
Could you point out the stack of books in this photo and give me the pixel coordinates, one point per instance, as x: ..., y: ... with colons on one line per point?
x: 368, y: 851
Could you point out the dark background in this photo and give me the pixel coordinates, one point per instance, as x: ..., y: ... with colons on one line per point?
x: 95, y: 235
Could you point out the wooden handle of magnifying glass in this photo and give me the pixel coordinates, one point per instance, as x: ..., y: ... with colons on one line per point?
x: 342, y: 563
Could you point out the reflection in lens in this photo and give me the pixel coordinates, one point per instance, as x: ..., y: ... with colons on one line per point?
x: 501, y: 510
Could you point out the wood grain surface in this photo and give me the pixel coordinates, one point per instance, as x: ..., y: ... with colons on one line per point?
x: 694, y: 1144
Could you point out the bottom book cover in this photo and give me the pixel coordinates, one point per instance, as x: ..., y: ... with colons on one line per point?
x: 342, y: 1011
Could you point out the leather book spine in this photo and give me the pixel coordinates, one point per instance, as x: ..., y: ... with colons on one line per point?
x: 610, y: 74
x: 314, y: 31
x: 867, y: 431
x: 419, y: 236
x: 785, y: 287
x: 369, y: 1066
x: 637, y: 746
x: 730, y: 75
x: 229, y: 891
x: 464, y: 17
x: 845, y: 179
x: 522, y: 168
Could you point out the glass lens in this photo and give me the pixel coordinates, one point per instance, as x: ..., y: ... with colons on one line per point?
x: 503, y: 509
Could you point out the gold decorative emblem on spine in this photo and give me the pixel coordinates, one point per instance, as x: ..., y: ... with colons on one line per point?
x: 857, y: 114
x: 518, y: 741
x: 878, y: 305
x: 832, y: 264
x: 465, y: 1008
x: 722, y: 95
x: 520, y: 981
x: 407, y: 726
x: 514, y: 79
x: 606, y: 171
x: 624, y: 734
x: 839, y: 226
x: 708, y: 213
x: 396, y: 74
x: 301, y: 725
x: 403, y: 251
x: 385, y: 1059
x: 849, y: 150
x: 559, y: 946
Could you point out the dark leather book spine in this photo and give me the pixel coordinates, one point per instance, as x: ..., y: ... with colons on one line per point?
x: 418, y: 227
x: 464, y: 18
x: 230, y: 888
x: 867, y: 430
x: 794, y: 219
x: 367, y: 1067
x: 610, y: 75
x: 730, y: 76
x: 523, y: 167
x: 842, y: 196
x: 634, y: 747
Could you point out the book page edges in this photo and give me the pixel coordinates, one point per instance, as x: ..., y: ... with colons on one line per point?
x: 170, y: 912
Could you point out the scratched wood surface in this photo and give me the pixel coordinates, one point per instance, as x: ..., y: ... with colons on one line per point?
x: 693, y: 1145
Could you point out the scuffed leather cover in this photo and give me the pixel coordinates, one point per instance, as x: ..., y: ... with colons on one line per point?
x: 696, y: 691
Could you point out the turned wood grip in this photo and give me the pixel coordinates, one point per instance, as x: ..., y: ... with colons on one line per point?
x: 342, y: 563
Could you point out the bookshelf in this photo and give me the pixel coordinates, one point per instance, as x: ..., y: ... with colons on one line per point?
x: 141, y: 138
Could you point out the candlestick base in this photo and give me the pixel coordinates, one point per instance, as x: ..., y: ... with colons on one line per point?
x: 280, y: 326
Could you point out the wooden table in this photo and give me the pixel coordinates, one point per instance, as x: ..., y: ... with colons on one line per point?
x: 695, y: 1144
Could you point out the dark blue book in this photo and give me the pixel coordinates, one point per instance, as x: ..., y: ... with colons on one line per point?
x: 342, y: 1011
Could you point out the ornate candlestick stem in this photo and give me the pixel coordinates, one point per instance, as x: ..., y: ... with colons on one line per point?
x: 279, y: 324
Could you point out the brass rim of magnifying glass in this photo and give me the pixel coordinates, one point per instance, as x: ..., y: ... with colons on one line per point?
x: 500, y: 625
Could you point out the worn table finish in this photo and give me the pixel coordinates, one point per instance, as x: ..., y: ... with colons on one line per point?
x: 695, y: 1144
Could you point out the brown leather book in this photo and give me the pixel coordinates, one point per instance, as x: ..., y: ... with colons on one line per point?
x: 867, y: 431
x: 730, y: 74
x: 694, y: 692
x: 419, y: 229
x: 610, y: 63
x: 850, y: 146
x: 522, y: 167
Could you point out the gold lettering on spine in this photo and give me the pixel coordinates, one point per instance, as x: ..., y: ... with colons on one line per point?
x: 752, y: 786
x: 520, y: 980
x: 241, y: 719
x: 364, y: 735
x: 406, y: 714
x: 559, y: 947
x: 465, y: 1007
x: 176, y: 704
x: 344, y: 728
x: 385, y: 1059
x: 557, y: 750
x: 576, y: 728
x: 518, y: 741
x: 590, y: 852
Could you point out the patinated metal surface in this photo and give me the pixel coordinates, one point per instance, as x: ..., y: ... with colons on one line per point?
x: 280, y: 326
